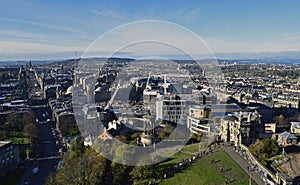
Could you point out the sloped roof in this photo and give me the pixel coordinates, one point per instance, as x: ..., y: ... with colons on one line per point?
x: 296, y: 124
x: 287, y: 135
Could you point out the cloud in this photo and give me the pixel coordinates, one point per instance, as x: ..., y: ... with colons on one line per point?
x: 142, y: 38
x: 42, y: 25
x: 150, y: 38
x: 186, y: 15
x: 16, y: 35
x: 15, y: 47
x: 106, y: 13
x: 221, y: 45
x: 21, y: 34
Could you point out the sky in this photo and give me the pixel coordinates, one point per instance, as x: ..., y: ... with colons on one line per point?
x: 55, y: 29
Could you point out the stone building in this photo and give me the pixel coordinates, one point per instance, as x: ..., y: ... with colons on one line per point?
x: 9, y: 158
x: 295, y: 128
x: 240, y: 128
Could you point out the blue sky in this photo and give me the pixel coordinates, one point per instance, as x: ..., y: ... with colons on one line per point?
x: 55, y: 29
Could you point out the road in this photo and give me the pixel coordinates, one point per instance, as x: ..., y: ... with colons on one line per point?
x: 47, y: 155
x: 45, y: 149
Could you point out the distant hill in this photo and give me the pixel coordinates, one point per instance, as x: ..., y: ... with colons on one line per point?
x: 289, y: 57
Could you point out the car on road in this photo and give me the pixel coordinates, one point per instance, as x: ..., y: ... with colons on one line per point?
x: 35, y: 170
x: 60, y: 163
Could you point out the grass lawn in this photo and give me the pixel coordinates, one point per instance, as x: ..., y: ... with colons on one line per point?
x: 204, y: 172
x: 14, y: 178
x: 176, y: 158
x: 191, y: 148
x: 19, y: 140
x: 179, y: 156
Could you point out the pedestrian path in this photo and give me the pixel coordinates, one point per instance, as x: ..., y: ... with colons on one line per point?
x: 243, y: 164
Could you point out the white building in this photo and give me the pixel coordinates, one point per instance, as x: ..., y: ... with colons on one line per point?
x: 197, y: 119
x: 170, y: 109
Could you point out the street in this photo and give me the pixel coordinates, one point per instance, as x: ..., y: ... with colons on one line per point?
x: 45, y: 149
x: 47, y: 156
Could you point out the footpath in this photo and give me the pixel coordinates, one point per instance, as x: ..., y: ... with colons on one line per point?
x: 243, y: 164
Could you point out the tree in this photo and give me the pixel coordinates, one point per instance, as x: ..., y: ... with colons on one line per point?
x: 66, y: 124
x: 265, y: 149
x: 280, y: 119
x: 14, y: 122
x: 124, y: 153
x: 120, y: 173
x: 29, y: 125
x: 143, y: 174
x: 78, y: 147
x: 87, y: 168
x: 166, y: 132
x: 196, y: 137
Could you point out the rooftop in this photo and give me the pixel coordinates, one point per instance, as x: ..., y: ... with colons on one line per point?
x: 296, y: 124
x: 287, y: 135
x: 3, y: 143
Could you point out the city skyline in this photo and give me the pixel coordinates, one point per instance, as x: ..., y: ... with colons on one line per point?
x: 53, y: 30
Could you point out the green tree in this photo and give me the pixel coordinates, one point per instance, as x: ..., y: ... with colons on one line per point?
x: 123, y: 153
x: 86, y: 168
x: 280, y: 119
x: 120, y: 173
x: 166, y: 132
x: 265, y: 149
x: 66, y: 124
x: 143, y: 174
x: 77, y: 147
x: 14, y: 122
x: 29, y: 125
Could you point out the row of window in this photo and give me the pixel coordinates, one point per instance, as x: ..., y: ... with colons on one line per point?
x: 7, y: 149
x: 7, y: 160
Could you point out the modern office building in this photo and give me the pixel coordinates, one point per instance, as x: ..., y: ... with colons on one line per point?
x: 197, y: 119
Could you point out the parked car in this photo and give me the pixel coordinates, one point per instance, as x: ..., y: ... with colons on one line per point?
x: 59, y: 164
x: 35, y: 170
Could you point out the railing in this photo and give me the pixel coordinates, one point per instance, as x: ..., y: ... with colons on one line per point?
x: 255, y: 161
